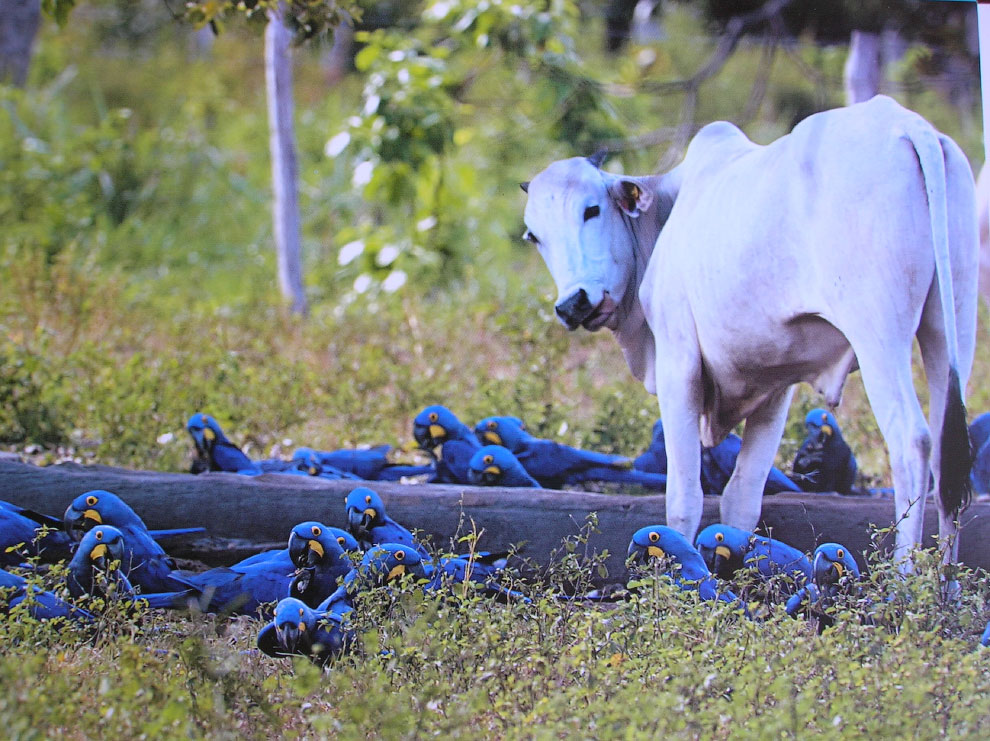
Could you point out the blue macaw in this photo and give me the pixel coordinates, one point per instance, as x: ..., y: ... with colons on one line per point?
x: 95, y: 568
x: 493, y: 465
x: 40, y: 604
x: 436, y: 426
x: 834, y: 571
x: 380, y: 565
x: 298, y: 630
x: 460, y: 569
x: 718, y: 463
x: 319, y: 560
x: 215, y: 448
x: 33, y: 534
x: 346, y: 541
x: 687, y: 569
x: 985, y: 638
x: 979, y: 437
x: 368, y: 522
x: 654, y: 458
x: 370, y: 465
x: 727, y: 549
x: 555, y: 465
x: 824, y: 462
x: 145, y: 563
x: 243, y: 591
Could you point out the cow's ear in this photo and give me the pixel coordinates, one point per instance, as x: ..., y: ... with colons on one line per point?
x: 630, y: 196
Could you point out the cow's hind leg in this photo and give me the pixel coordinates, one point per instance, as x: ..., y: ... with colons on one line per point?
x: 886, y: 372
x: 743, y: 495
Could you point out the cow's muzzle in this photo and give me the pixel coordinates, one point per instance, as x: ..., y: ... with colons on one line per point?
x: 574, y: 309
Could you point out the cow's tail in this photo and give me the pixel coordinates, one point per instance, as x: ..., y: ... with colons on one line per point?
x: 956, y: 455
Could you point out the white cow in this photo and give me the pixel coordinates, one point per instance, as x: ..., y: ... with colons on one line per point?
x: 747, y: 269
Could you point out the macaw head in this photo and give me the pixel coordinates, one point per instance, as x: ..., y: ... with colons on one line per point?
x: 434, y: 426
x: 102, y: 547
x: 389, y: 561
x: 820, y: 424
x: 98, y: 507
x: 490, y: 464
x: 345, y: 540
x: 658, y: 542
x: 505, y: 431
x: 205, y: 433
x: 832, y: 563
x: 307, y: 460
x: 312, y: 543
x: 295, y: 624
x: 723, y: 547
x: 365, y: 510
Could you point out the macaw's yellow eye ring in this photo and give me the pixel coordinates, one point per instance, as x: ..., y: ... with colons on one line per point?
x: 489, y: 459
x: 840, y: 553
x: 341, y: 540
x: 98, y: 535
x: 719, y: 537
x: 91, y: 500
x: 367, y: 499
x: 400, y: 555
x: 434, y: 416
x: 492, y: 424
x: 316, y: 531
x: 654, y: 536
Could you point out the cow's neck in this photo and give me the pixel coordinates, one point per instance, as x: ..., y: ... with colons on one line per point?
x: 633, y: 334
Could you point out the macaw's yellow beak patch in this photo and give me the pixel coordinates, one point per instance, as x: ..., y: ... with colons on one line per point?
x: 494, y: 469
x: 209, y: 435
x: 92, y: 514
x: 723, y: 551
x: 314, y: 545
x: 99, y: 551
x: 493, y: 438
x: 438, y: 431
x: 371, y: 512
x: 655, y: 551
x: 838, y: 568
x: 397, y: 570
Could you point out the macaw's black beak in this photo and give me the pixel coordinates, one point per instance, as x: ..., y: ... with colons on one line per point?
x: 290, y: 635
x: 359, y: 521
x: 79, y: 523
x: 490, y: 476
x: 297, y: 550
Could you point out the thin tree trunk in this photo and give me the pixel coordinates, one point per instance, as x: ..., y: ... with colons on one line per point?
x: 19, y: 21
x: 862, y: 71
x: 285, y: 170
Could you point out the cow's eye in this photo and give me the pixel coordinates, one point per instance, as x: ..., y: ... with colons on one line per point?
x: 591, y: 212
x: 530, y: 237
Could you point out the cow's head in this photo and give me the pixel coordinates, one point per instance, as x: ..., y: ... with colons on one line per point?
x: 579, y: 218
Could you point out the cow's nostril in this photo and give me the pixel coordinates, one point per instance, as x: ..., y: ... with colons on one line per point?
x: 574, y: 309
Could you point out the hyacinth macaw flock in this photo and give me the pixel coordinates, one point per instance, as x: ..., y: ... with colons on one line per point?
x: 318, y: 579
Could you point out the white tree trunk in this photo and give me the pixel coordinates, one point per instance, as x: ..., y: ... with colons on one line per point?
x: 285, y: 170
x: 862, y: 71
x: 19, y: 21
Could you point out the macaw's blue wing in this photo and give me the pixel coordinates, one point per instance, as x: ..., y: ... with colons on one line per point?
x: 40, y: 604
x: 554, y: 464
x: 453, y: 466
x: 454, y: 571
x: 718, y: 463
x: 241, y: 592
x: 216, y: 449
x: 655, y: 481
x: 773, y: 558
x: 985, y: 638
x: 27, y: 534
x: 654, y: 458
x: 276, y: 557
x: 175, y: 532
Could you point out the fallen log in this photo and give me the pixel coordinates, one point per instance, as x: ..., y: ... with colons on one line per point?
x: 244, y: 514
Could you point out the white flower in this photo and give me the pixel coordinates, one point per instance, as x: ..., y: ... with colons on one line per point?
x: 396, y: 56
x: 403, y: 76
x: 349, y: 252
x: 362, y: 174
x: 371, y: 104
x: 337, y: 144
x: 386, y: 255
x: 438, y: 11
x: 165, y: 439
x: 395, y: 280
x: 563, y: 429
x: 362, y: 283
x: 424, y: 225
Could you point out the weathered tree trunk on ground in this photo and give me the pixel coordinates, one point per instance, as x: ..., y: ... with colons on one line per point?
x: 863, y: 71
x: 239, y: 511
x: 285, y: 170
x: 19, y: 21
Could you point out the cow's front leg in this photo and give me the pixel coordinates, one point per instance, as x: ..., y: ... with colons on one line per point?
x: 679, y: 395
x: 743, y: 496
